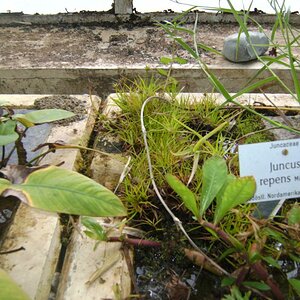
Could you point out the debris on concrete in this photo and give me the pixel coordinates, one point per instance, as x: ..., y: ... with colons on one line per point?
x: 239, y: 48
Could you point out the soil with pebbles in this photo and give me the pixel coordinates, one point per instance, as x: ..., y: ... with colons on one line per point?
x: 97, y: 46
x: 65, y: 102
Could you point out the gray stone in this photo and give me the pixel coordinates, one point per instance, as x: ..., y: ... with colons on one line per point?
x: 244, y: 51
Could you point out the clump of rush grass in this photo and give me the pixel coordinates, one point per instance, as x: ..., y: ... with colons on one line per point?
x: 174, y: 126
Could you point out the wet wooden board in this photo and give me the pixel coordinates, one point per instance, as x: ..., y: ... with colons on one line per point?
x: 81, y: 261
x: 37, y: 231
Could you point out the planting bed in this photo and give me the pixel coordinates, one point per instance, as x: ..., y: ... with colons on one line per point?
x: 58, y: 260
x: 165, y: 274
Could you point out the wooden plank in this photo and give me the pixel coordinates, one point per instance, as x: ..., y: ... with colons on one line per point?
x: 81, y: 261
x: 37, y: 231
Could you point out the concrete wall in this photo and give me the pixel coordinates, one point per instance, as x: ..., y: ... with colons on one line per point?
x: 105, y: 18
x: 101, y: 81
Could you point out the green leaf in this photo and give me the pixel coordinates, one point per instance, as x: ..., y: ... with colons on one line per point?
x: 180, y: 60
x: 272, y: 262
x: 166, y: 60
x: 22, y: 119
x: 187, y: 196
x: 209, y: 49
x: 254, y: 86
x: 294, y: 215
x: 295, y: 283
x: 230, y: 177
x: 44, y: 116
x: 9, y: 289
x: 186, y: 47
x: 227, y: 281
x: 7, y: 132
x: 294, y: 257
x: 256, y: 285
x: 64, y: 191
x: 4, y: 184
x: 213, y: 177
x: 162, y: 72
x: 276, y: 235
x: 209, y: 135
x: 96, y: 231
x: 237, y: 191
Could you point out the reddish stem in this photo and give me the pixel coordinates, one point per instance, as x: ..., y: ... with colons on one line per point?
x: 261, y: 271
x: 134, y: 242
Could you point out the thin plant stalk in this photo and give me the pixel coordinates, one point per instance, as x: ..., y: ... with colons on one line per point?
x: 176, y: 220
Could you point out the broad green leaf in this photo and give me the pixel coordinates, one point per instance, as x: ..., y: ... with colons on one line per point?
x: 237, y: 191
x: 294, y: 215
x: 96, y: 231
x: 295, y: 283
x: 7, y: 132
x: 230, y: 177
x: 257, y: 285
x: 187, y: 196
x: 214, y: 175
x: 166, y: 60
x: 45, y: 116
x: 9, y: 289
x: 64, y: 191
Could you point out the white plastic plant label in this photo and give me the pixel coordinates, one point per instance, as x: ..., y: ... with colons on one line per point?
x: 275, y: 167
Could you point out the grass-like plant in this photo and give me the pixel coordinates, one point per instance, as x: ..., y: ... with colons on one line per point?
x: 284, y: 55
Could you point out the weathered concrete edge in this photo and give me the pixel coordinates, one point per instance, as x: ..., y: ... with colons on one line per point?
x: 280, y: 100
x: 109, y: 19
x: 33, y: 269
x: 102, y: 80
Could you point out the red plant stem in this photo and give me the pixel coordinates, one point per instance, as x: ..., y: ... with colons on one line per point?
x: 257, y: 267
x: 261, y: 271
x: 222, y: 234
x: 134, y: 242
x: 241, y: 275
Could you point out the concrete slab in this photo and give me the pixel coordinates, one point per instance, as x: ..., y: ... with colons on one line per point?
x: 52, y: 55
x: 84, y: 80
x: 39, y: 232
